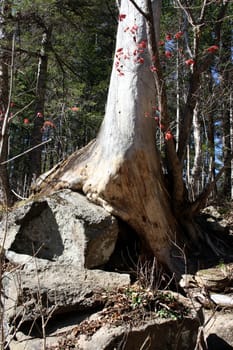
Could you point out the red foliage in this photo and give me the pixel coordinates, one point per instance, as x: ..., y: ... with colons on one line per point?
x: 168, y: 37
x: 168, y: 54
x: 120, y: 73
x: 178, y: 35
x: 213, y: 49
x: 189, y: 62
x: 26, y: 121
x: 120, y: 49
x: 168, y: 135
x: 153, y: 69
x: 140, y: 60
x: 134, y: 28
x: 39, y: 115
x: 74, y: 109
x: 161, y: 43
x: 121, y: 17
x: 142, y: 44
x: 48, y: 123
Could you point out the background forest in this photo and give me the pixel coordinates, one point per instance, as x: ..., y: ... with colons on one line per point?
x: 55, y: 63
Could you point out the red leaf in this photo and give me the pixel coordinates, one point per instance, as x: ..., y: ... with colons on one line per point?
x: 120, y: 49
x: 142, y: 44
x: 26, y: 121
x: 189, y: 62
x: 168, y: 54
x: 153, y: 69
x: 134, y: 29
x: 213, y: 48
x: 48, y: 123
x: 140, y: 60
x: 121, y: 16
x: 161, y: 43
x: 168, y: 37
x: 178, y: 35
x: 168, y: 135
x: 74, y: 109
x: 39, y: 115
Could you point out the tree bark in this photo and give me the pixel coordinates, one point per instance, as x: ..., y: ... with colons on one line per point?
x: 197, y: 164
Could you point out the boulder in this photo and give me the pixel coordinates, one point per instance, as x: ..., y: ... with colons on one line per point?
x: 106, y: 329
x: 218, y: 278
x: 47, y: 288
x: 154, y: 334
x: 219, y: 330
x: 64, y: 227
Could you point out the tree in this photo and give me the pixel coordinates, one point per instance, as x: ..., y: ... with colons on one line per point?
x: 122, y: 169
x: 5, y: 95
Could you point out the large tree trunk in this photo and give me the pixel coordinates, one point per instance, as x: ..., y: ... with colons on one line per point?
x: 121, y: 169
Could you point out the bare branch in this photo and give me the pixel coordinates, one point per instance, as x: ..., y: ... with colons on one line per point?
x: 6, y: 117
x: 21, y: 110
x: 203, y: 10
x: 25, y: 152
x: 187, y: 12
x: 144, y: 14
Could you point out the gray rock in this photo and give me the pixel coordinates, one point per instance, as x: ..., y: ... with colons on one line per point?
x: 159, y: 334
x: 47, y: 289
x: 222, y: 300
x: 55, y: 241
x: 155, y: 333
x: 219, y: 330
x: 64, y: 227
x: 218, y: 278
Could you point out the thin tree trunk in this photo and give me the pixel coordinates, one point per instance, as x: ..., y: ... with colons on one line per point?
x: 196, y: 169
x: 227, y: 152
x: 5, y: 63
x: 211, y: 147
x: 36, y: 136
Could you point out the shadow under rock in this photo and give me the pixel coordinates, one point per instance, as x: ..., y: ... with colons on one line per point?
x: 39, y: 233
x: 216, y: 343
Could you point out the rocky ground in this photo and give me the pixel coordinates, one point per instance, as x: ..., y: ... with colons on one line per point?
x: 61, y: 294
